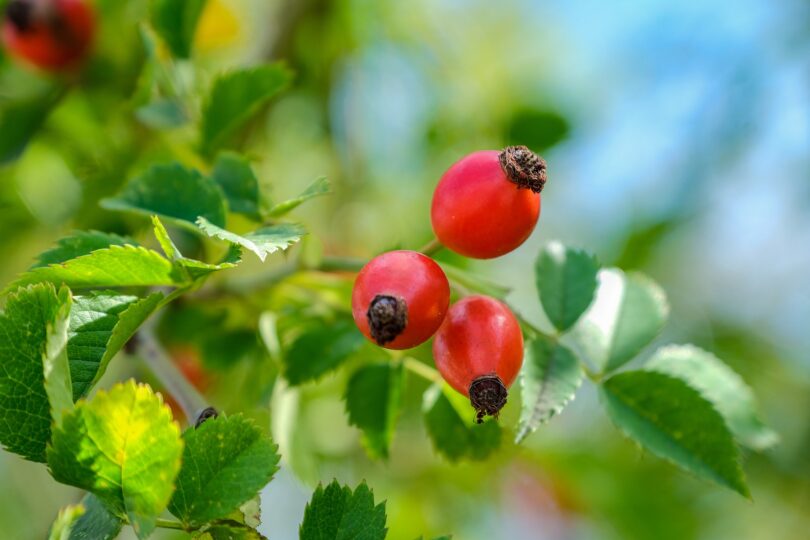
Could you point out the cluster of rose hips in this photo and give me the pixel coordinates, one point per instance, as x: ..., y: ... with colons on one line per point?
x: 484, y: 206
x: 53, y: 35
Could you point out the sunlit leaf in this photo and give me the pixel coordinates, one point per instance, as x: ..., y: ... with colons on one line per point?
x: 628, y: 313
x: 78, y: 244
x: 116, y: 266
x: 123, y: 447
x: 262, y: 242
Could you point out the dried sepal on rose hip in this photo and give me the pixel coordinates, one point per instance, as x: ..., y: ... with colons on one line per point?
x: 53, y: 35
x: 399, y: 299
x: 488, y: 202
x: 479, y: 352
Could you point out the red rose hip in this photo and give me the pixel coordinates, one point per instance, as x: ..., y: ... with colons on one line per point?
x: 479, y: 351
x: 488, y: 202
x: 50, y: 34
x: 400, y: 299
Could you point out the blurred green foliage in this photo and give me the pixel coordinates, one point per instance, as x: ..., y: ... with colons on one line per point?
x: 385, y: 96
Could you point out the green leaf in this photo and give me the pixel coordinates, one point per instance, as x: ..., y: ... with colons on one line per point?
x: 539, y: 129
x: 226, y: 462
x: 65, y: 521
x: 673, y: 421
x: 20, y: 119
x: 566, y: 281
x: 25, y: 413
x: 78, y: 244
x: 450, y: 422
x: 235, y: 176
x: 318, y: 188
x: 191, y: 268
x: 173, y: 192
x: 373, y: 402
x: 162, y: 114
x: 320, y: 350
x: 719, y: 384
x: 56, y: 367
x: 123, y: 447
x: 116, y: 266
x: 474, y: 283
x: 550, y: 378
x: 231, y: 531
x: 628, y: 313
x: 337, y: 513
x: 97, y: 522
x: 100, y: 325
x: 176, y: 22
x: 262, y: 241
x: 235, y: 97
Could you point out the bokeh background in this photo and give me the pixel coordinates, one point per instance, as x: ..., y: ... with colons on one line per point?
x: 678, y: 141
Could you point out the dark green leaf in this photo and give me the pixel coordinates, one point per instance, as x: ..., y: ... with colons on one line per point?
x: 234, y: 98
x: 129, y: 425
x: 21, y: 119
x: 116, y: 266
x: 673, y: 421
x: 373, y: 402
x: 719, y: 384
x: 25, y: 415
x: 235, y: 176
x: 100, y: 325
x: 627, y: 314
x: 550, y: 378
x: 173, y: 192
x: 97, y: 522
x: 450, y: 421
x: 176, y: 22
x: 320, y: 350
x: 337, y: 513
x: 262, y: 241
x: 566, y: 281
x: 316, y: 189
x: 226, y: 462
x: 78, y: 244
x: 539, y: 129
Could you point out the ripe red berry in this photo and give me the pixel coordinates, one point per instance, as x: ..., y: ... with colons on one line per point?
x: 479, y: 351
x: 50, y: 34
x: 399, y: 299
x: 488, y: 202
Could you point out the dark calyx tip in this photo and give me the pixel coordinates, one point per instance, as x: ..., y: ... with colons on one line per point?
x: 206, y: 414
x: 488, y: 396
x: 387, y: 318
x: 524, y: 167
x: 19, y: 13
